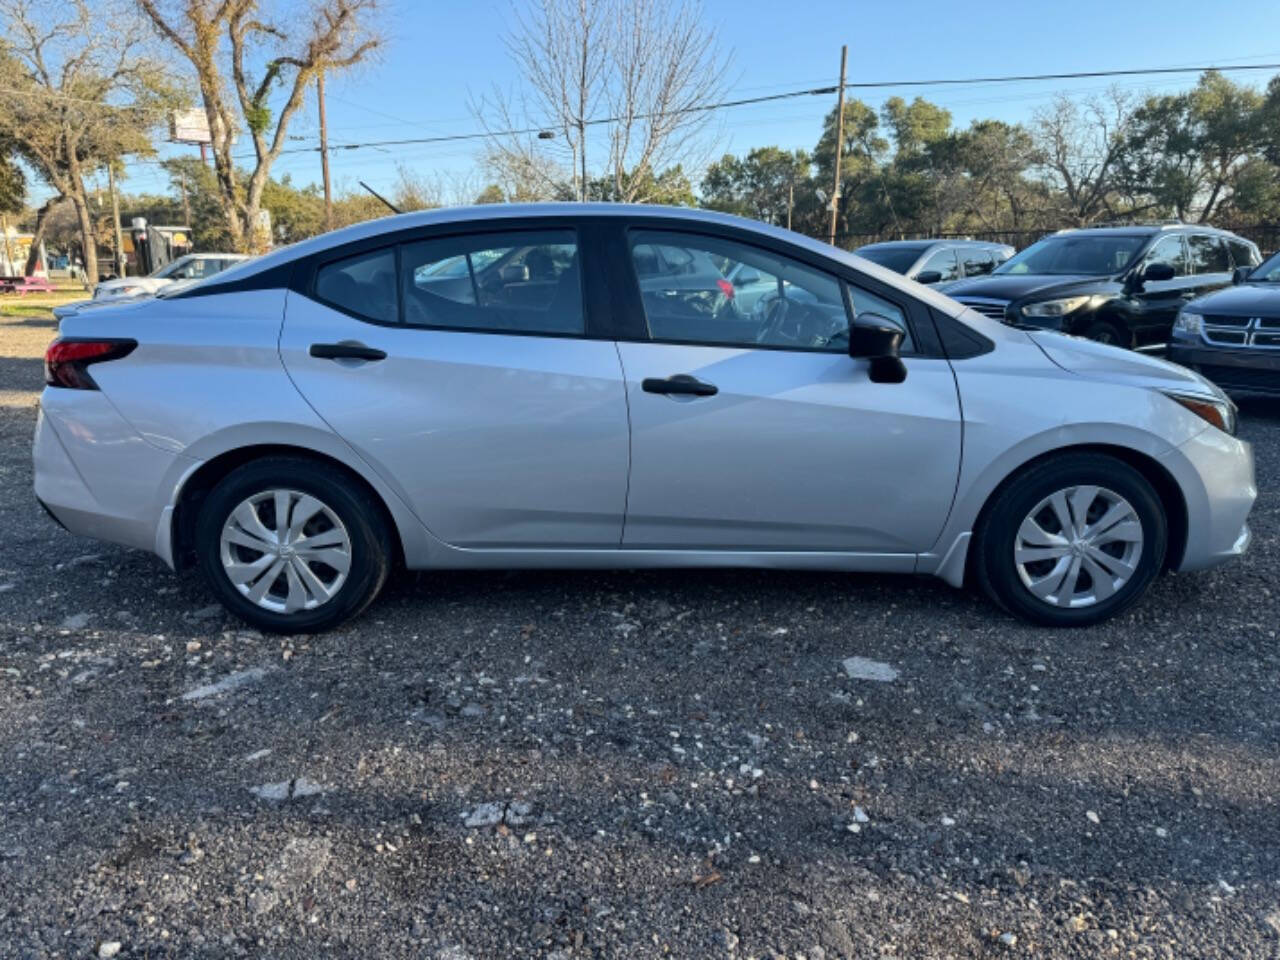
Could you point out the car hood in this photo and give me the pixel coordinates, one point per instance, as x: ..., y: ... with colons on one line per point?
x: 1100, y: 361
x: 1013, y: 286
x: 113, y: 287
x: 1248, y: 300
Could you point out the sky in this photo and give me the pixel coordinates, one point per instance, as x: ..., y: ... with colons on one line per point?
x: 440, y: 57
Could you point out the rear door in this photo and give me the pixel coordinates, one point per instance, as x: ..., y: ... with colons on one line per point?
x: 461, y: 368
x: 775, y: 439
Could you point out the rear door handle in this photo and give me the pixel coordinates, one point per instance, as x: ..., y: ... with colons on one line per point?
x: 680, y: 384
x: 347, y: 350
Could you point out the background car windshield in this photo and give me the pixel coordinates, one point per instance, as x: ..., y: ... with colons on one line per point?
x: 1268, y: 272
x: 1091, y: 256
x: 169, y: 269
x: 897, y: 259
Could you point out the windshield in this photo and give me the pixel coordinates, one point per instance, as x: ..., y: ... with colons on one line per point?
x: 1268, y: 271
x: 1064, y: 255
x: 169, y: 269
x: 897, y: 259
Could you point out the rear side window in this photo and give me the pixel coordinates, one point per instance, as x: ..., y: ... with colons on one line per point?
x: 527, y: 282
x: 363, y: 285
x: 1244, y: 254
x: 1208, y: 254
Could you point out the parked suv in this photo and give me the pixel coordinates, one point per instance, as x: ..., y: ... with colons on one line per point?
x: 937, y: 261
x: 1233, y: 336
x: 303, y: 422
x: 1121, y: 285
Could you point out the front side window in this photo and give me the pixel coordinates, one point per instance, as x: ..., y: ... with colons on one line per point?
x: 945, y: 263
x: 1208, y: 254
x: 527, y: 282
x: 738, y: 295
x: 1168, y: 250
x: 363, y: 285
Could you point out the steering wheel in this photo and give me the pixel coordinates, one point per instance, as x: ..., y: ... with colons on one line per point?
x: 775, y: 317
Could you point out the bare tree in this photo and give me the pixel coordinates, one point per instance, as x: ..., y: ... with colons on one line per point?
x: 643, y: 71
x: 80, y: 90
x: 237, y: 37
x: 1081, y: 146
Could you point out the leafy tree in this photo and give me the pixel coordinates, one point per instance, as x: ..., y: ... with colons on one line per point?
x: 763, y: 185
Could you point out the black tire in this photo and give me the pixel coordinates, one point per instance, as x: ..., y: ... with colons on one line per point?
x: 996, y: 536
x: 1104, y: 332
x: 360, y: 514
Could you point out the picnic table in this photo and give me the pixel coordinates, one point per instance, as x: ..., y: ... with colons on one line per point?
x: 23, y: 285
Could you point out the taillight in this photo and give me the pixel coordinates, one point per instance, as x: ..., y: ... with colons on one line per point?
x: 725, y: 287
x: 66, y: 361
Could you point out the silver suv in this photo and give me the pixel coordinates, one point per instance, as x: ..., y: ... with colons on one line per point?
x: 937, y: 261
x: 517, y: 386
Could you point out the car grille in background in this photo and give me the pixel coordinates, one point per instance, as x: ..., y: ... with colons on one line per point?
x: 988, y: 308
x: 1242, y: 331
x: 1241, y: 377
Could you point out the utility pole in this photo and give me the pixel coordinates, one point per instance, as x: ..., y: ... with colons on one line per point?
x: 115, y: 221
x: 791, y: 197
x: 324, y: 154
x: 835, y: 190
x: 186, y: 201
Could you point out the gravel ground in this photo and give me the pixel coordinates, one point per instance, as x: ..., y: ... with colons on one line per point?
x: 628, y: 764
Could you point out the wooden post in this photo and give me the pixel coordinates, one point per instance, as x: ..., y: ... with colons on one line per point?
x: 324, y: 154
x: 115, y: 222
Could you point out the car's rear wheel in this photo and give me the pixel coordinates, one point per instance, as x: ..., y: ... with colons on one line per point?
x: 292, y: 545
x: 1071, y: 541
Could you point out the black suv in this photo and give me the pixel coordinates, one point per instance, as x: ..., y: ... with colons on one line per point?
x: 1121, y: 285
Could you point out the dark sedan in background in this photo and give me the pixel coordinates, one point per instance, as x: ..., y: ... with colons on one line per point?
x: 1233, y: 336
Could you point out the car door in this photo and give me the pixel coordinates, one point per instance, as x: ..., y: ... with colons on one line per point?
x: 484, y: 403
x: 778, y: 440
x: 1154, y: 307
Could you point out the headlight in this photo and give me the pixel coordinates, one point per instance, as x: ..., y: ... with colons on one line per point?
x: 1189, y: 322
x: 1219, y: 412
x: 1054, y: 308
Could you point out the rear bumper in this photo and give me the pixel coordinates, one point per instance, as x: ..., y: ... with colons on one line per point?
x: 96, y: 476
x: 1237, y: 371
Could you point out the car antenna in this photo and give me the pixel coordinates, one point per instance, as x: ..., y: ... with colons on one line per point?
x: 394, y: 208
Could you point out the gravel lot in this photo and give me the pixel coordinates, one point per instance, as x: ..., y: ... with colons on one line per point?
x: 628, y: 765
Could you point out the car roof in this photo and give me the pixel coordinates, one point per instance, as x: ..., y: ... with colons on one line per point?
x: 1145, y: 230
x: 926, y: 244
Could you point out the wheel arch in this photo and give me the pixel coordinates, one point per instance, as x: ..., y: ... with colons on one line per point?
x: 1155, y: 473
x: 205, y: 477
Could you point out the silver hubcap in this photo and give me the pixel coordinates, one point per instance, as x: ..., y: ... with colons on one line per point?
x: 285, y: 550
x: 1078, y: 546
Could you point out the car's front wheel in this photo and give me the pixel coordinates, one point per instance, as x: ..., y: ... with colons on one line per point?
x: 1072, y: 540
x: 292, y: 545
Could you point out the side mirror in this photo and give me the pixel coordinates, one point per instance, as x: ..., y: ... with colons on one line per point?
x: 1158, y: 272
x: 745, y: 277
x: 928, y: 276
x: 876, y: 338
x: 1240, y: 275
x: 515, y: 273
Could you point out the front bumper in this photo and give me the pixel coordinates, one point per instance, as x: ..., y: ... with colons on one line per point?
x: 1216, y: 475
x: 1236, y: 371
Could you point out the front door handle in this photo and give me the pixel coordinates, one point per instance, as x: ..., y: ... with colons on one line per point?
x: 680, y: 384
x: 346, y: 350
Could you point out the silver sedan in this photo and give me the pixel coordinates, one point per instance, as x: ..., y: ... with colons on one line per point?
x: 532, y: 386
